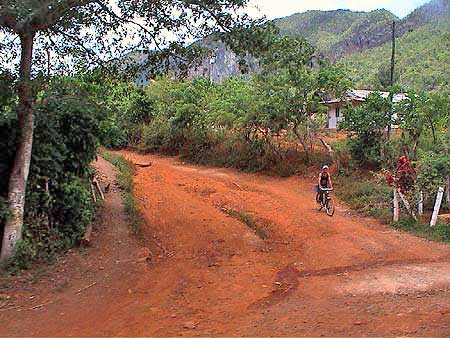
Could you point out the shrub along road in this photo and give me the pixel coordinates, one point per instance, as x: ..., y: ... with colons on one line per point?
x: 230, y: 253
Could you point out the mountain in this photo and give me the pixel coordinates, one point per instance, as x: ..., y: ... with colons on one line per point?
x: 335, y: 34
x: 341, y: 32
x: 431, y: 12
x: 422, y: 60
x: 422, y: 52
x: 361, y: 41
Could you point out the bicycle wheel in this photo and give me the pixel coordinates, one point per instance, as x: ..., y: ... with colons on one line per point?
x: 330, y: 207
x: 319, y: 204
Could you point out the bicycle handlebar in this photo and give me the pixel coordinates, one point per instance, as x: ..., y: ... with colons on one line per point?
x: 326, y: 189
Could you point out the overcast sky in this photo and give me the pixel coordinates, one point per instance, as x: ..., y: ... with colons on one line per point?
x: 279, y: 8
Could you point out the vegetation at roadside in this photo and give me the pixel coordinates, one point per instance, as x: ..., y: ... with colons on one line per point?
x: 413, y: 159
x: 59, y: 205
x: 440, y: 232
x: 244, y: 123
x: 372, y: 196
x: 365, y: 194
x: 124, y: 176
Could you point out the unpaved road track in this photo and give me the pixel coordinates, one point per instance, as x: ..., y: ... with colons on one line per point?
x: 210, y: 274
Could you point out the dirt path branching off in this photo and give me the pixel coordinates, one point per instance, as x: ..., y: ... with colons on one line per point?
x: 235, y: 254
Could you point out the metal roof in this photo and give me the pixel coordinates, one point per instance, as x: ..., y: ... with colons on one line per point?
x: 362, y: 95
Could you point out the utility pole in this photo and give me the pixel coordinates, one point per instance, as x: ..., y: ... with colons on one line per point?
x: 48, y: 62
x: 391, y: 82
x: 393, y: 54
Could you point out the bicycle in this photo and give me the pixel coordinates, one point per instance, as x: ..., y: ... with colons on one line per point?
x: 327, y: 203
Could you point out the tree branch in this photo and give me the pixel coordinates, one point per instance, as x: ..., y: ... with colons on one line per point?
x: 8, y: 21
x: 213, y: 15
x: 50, y: 14
x: 80, y: 43
x: 125, y: 20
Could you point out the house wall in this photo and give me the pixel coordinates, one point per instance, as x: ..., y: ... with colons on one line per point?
x: 333, y: 119
x: 332, y: 122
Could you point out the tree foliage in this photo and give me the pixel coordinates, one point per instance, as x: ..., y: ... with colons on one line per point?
x: 366, y: 125
x: 294, y: 81
x: 59, y: 205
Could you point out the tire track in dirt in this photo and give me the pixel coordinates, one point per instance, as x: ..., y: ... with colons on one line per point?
x: 287, y: 279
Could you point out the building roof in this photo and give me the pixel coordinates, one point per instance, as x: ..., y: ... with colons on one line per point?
x: 362, y: 95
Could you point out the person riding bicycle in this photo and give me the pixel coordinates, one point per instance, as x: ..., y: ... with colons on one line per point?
x: 324, y: 181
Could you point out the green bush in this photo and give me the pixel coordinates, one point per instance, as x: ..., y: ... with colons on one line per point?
x: 160, y: 136
x: 58, y: 202
x: 433, y: 170
x: 365, y: 194
x: 366, y: 125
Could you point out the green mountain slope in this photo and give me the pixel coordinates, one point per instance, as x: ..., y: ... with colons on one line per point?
x: 340, y: 32
x: 431, y: 12
x: 423, y: 60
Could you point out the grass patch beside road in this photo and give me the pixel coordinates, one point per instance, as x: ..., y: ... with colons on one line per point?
x: 365, y: 195
x: 374, y: 198
x: 124, y: 176
x: 439, y: 233
x: 250, y: 221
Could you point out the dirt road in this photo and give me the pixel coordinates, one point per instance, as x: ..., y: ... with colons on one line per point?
x: 209, y: 272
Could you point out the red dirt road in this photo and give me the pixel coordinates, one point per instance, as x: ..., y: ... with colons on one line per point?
x: 303, y: 273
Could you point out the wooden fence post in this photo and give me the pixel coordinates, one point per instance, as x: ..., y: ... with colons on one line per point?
x: 407, y: 206
x: 448, y: 191
x: 437, y: 206
x: 396, y: 207
x: 420, y: 208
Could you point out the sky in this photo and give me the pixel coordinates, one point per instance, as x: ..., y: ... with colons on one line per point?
x: 279, y: 8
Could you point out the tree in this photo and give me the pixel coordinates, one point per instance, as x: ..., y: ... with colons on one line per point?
x: 89, y: 32
x: 422, y: 112
x: 294, y: 81
x: 366, y: 126
x: 436, y: 112
x: 412, y: 119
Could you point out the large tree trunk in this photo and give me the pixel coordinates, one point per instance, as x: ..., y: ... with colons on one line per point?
x: 21, y: 166
x: 304, y: 144
x: 329, y: 149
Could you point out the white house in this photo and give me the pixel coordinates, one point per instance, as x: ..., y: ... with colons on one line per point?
x: 355, y: 97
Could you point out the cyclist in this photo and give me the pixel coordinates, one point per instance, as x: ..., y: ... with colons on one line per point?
x: 324, y: 182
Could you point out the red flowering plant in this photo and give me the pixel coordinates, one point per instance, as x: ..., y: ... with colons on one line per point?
x: 404, y: 177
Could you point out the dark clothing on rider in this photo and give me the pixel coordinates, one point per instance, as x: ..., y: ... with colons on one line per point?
x: 324, y: 184
x: 325, y: 180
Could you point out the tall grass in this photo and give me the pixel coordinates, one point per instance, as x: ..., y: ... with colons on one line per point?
x: 124, y: 176
x: 366, y: 195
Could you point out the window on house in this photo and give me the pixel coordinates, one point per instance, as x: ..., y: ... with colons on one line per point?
x: 338, y: 113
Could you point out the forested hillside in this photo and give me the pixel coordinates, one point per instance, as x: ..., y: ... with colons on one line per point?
x: 356, y: 36
x: 423, y: 58
x: 341, y: 32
